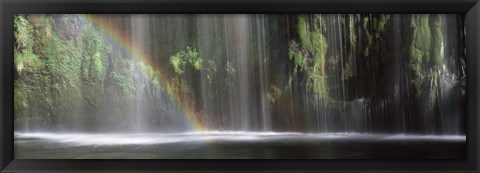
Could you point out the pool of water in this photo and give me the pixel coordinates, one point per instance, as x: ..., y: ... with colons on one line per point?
x: 237, y: 145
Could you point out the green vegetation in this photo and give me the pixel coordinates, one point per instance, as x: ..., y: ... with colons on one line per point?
x: 295, y: 54
x: 309, y: 56
x: 347, y: 73
x: 25, y: 60
x: 212, y: 69
x: 94, y: 61
x: 274, y: 94
x: 437, y: 38
x: 425, y: 50
x: 352, y: 34
x: 23, y: 33
x: 230, y: 70
x: 378, y: 22
x: 186, y: 57
x: 123, y: 82
x: 59, y: 69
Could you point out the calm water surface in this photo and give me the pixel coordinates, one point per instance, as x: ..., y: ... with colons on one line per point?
x: 237, y: 145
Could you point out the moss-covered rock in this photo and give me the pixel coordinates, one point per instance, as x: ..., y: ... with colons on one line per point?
x: 425, y: 50
x: 310, y: 55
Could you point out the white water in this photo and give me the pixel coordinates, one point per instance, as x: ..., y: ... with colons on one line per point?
x: 100, y: 139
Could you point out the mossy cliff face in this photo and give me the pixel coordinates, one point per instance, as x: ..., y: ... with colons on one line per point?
x: 314, y: 73
x: 425, y: 49
x: 385, y: 58
x: 330, y: 49
x: 70, y: 75
x: 309, y: 55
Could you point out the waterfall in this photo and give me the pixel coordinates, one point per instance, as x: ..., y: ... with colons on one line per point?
x: 214, y: 86
x: 315, y: 73
x: 141, y: 35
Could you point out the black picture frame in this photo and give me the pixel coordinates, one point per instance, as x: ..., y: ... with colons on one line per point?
x: 471, y: 8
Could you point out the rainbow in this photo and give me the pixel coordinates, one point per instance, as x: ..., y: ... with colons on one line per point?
x: 146, y: 62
